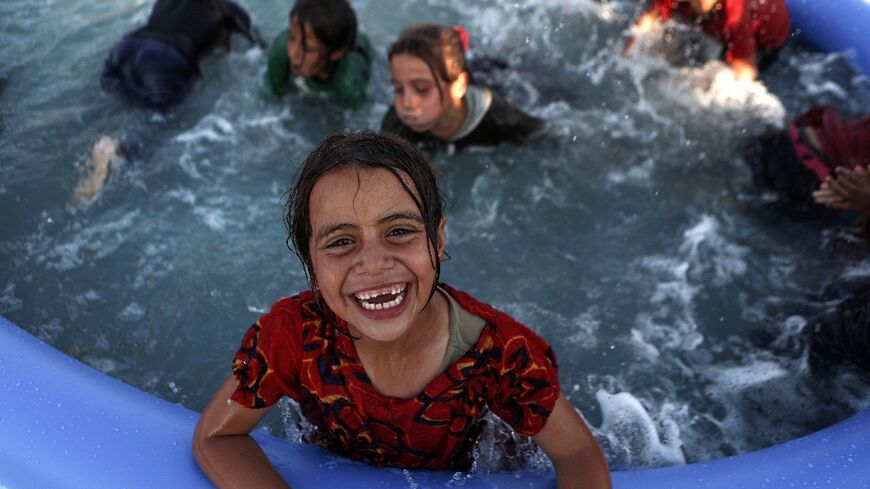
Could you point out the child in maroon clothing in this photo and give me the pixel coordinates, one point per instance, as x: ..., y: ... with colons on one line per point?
x: 393, y: 368
x: 744, y: 26
x: 820, y: 157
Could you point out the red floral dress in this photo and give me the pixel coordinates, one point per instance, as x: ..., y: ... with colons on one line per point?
x: 300, y: 349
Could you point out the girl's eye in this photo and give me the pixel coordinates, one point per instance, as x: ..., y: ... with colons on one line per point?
x: 401, y: 232
x: 339, y: 243
x: 398, y: 89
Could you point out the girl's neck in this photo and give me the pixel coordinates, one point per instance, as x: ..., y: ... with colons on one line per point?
x: 402, y: 368
x: 452, y: 120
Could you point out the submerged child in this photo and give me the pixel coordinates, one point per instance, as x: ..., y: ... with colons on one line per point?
x: 157, y: 64
x: 393, y: 368
x: 817, y: 157
x: 435, y: 101
x: 744, y: 26
x: 321, y: 51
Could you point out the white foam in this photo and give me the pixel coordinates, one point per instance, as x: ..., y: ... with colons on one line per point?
x: 105, y: 365
x: 211, y: 128
x: 644, y: 349
x: 134, y: 312
x: 731, y: 380
x: 211, y: 217
x: 637, y: 175
x: 8, y: 301
x: 627, y: 425
x: 860, y: 269
x: 98, y: 240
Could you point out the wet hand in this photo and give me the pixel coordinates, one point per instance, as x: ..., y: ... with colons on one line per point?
x: 850, y: 190
x: 854, y: 185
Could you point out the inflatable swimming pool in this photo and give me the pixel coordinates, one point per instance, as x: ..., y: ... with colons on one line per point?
x: 834, y: 25
x: 66, y: 425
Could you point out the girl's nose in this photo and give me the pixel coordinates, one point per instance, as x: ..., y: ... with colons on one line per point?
x: 374, y: 258
x: 409, y: 100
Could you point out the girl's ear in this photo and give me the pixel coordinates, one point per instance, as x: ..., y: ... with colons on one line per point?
x: 459, y: 86
x: 441, y: 239
x: 337, y: 55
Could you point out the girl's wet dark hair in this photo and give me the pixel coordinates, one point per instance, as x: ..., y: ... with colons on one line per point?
x: 440, y: 47
x: 333, y: 21
x: 364, y: 149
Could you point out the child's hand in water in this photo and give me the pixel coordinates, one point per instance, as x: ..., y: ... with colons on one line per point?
x: 99, y: 166
x: 849, y: 190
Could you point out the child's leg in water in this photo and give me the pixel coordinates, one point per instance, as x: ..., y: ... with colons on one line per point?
x: 102, y: 153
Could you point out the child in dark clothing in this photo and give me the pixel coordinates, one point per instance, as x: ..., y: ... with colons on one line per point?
x: 435, y: 101
x: 818, y: 157
x: 157, y: 64
x: 393, y: 368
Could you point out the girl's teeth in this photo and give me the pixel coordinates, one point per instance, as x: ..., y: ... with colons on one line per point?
x: 385, y: 305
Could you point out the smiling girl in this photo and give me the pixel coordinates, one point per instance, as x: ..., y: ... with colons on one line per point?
x: 393, y: 368
x: 435, y: 101
x: 321, y: 51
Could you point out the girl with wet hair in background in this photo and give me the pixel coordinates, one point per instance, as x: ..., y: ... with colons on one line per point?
x: 392, y: 367
x: 321, y: 51
x: 435, y: 100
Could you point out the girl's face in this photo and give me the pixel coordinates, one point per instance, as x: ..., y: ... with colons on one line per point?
x: 371, y: 258
x: 310, y: 60
x: 416, y: 96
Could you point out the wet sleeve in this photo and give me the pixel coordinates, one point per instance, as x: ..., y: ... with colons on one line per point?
x: 527, y: 381
x: 505, y: 122
x: 662, y: 8
x: 738, y: 33
x: 353, y: 87
x: 266, y: 366
x: 276, y: 79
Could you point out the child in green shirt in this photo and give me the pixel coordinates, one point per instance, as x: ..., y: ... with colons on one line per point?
x: 321, y: 51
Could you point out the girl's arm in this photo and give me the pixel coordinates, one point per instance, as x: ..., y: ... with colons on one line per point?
x: 744, y: 69
x: 573, y: 450
x: 646, y: 22
x: 224, y: 449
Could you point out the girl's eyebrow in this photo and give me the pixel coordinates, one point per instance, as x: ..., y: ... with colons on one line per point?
x: 332, y: 229
x: 398, y: 216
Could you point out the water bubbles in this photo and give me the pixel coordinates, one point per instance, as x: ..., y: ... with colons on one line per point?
x: 411, y: 483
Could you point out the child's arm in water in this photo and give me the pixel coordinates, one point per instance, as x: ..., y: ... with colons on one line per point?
x: 224, y: 449
x: 744, y: 69
x: 573, y: 450
x: 646, y: 22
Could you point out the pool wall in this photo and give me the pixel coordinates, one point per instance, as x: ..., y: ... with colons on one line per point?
x: 834, y: 25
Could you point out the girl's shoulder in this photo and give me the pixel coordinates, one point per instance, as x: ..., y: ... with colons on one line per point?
x: 501, y: 327
x: 292, y: 312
